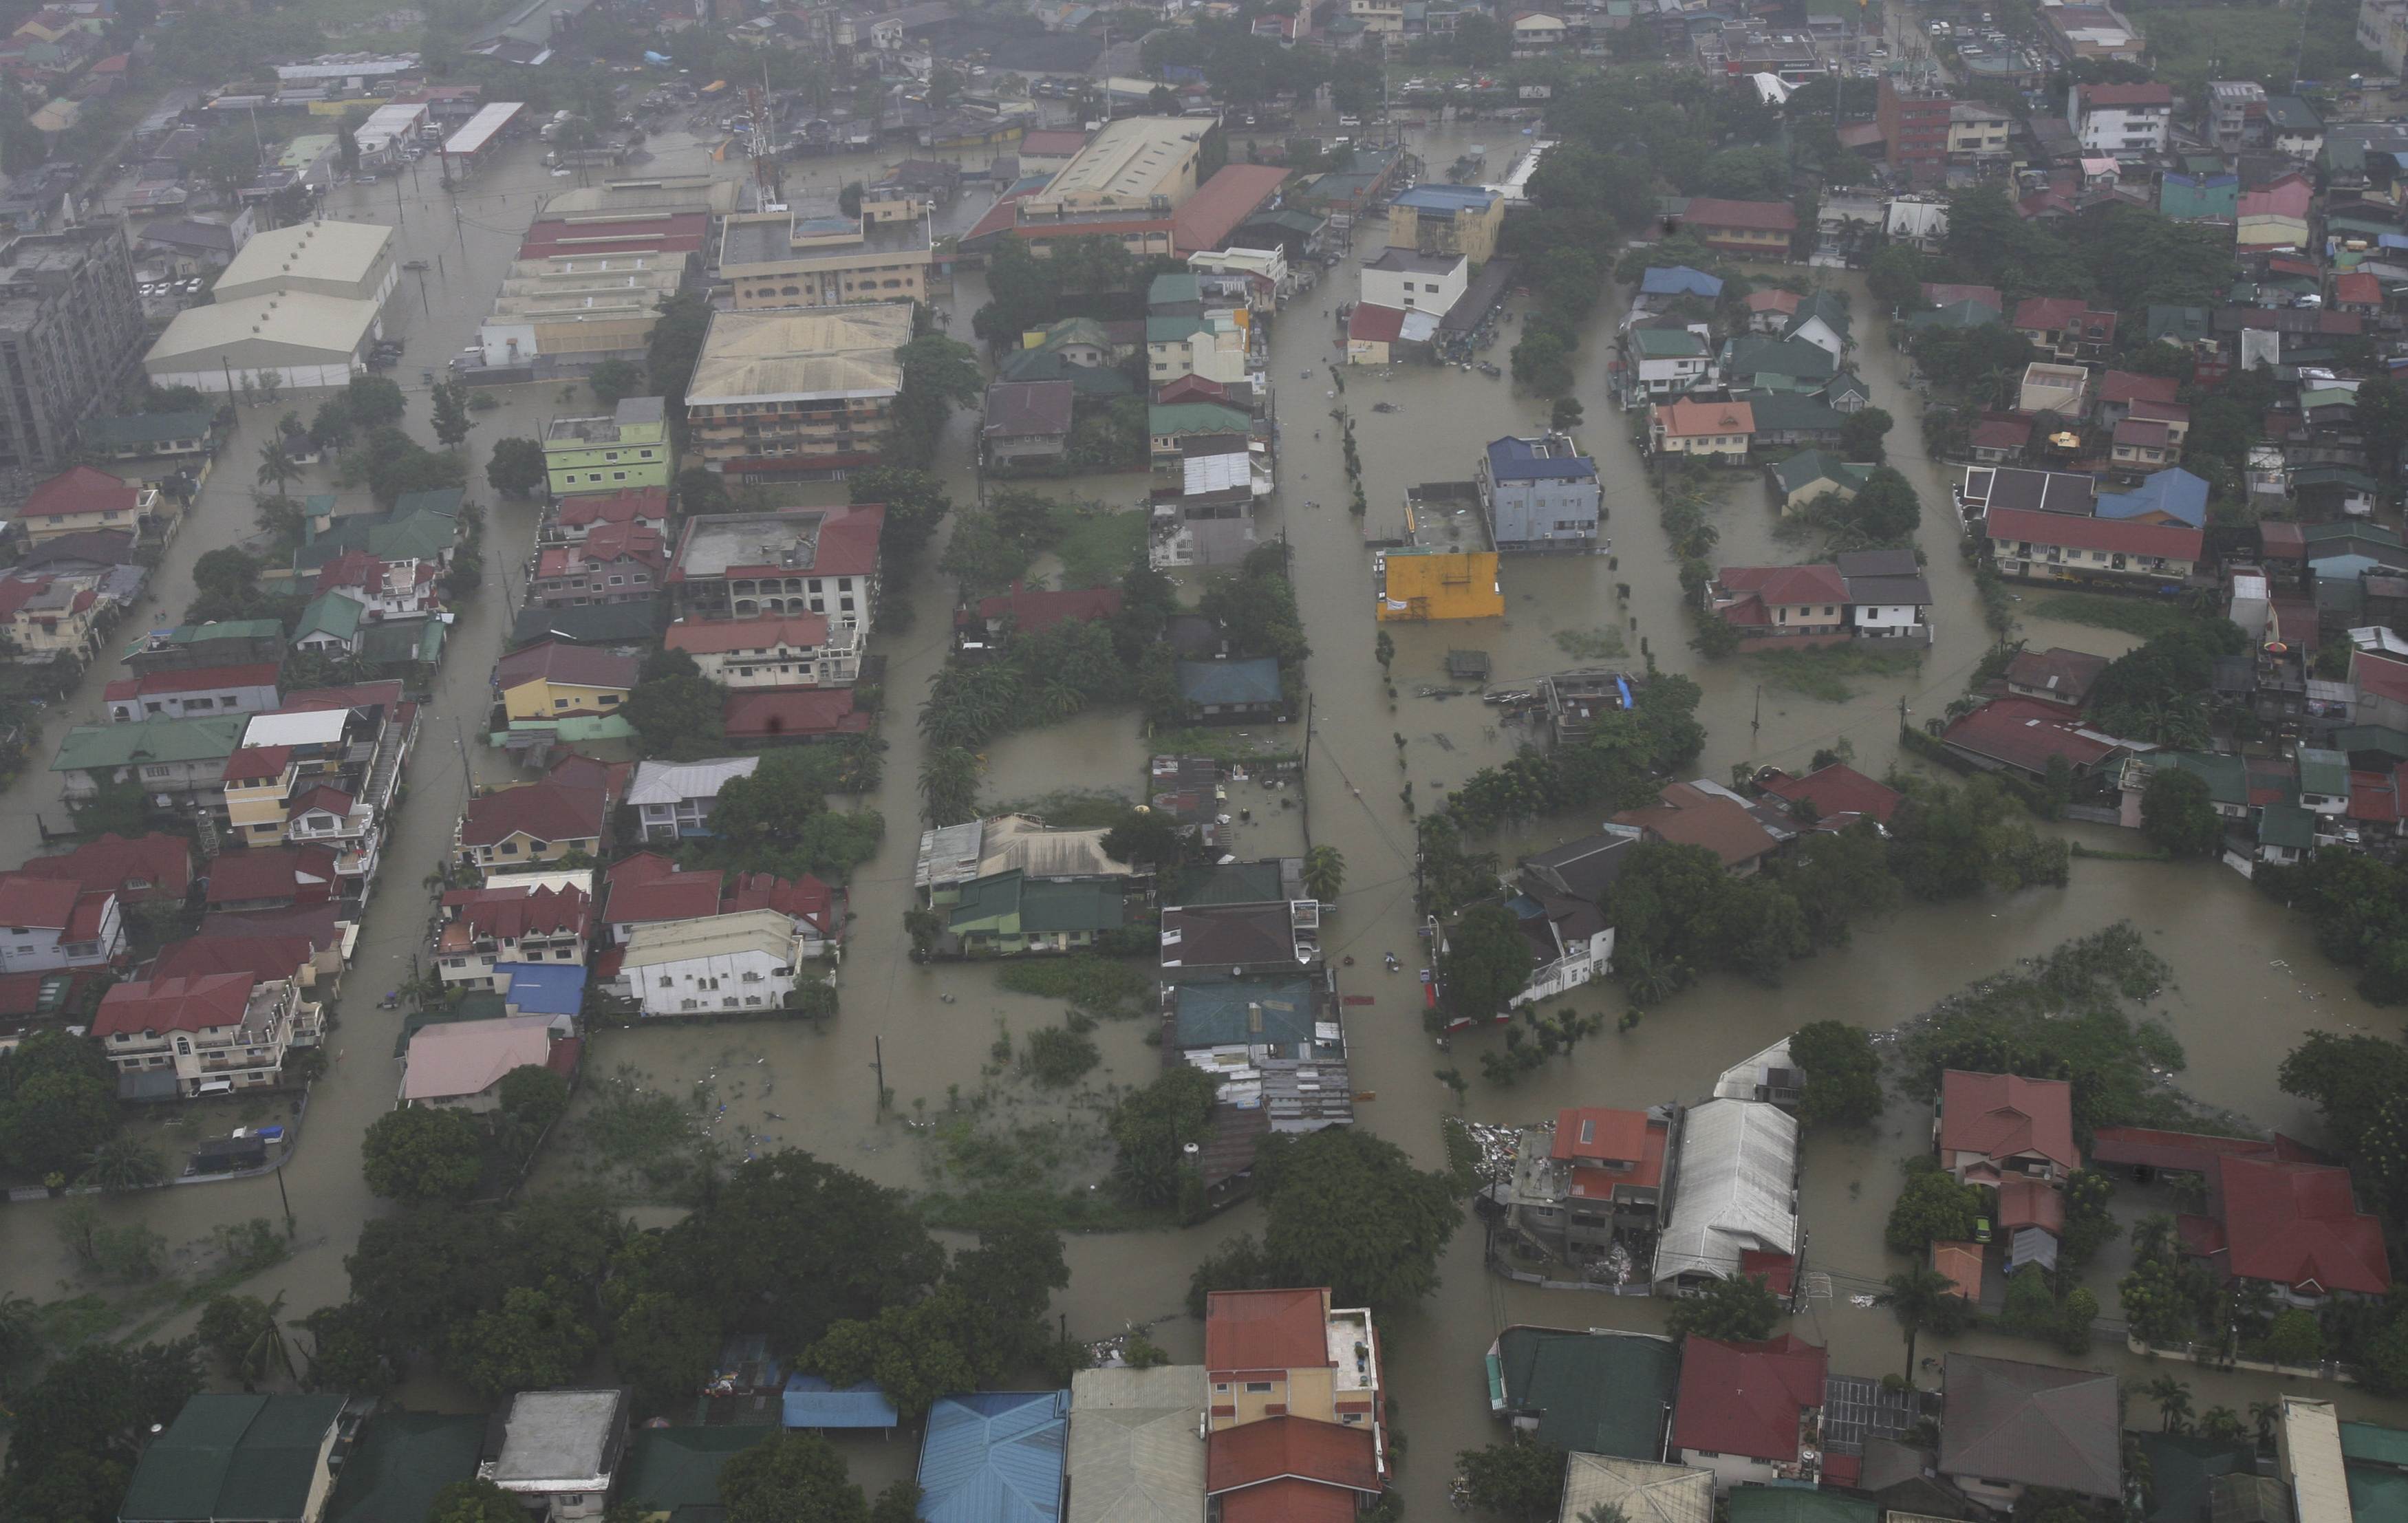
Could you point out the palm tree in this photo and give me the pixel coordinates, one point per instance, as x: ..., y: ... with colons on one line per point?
x: 2174, y: 1402
x: 1923, y: 1298
x: 2153, y: 1237
x: 1324, y: 872
x: 122, y: 1163
x: 267, y: 1350
x: 276, y: 467
x: 2222, y: 1422
x: 2265, y: 1415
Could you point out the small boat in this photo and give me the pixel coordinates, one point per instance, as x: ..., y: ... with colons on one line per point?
x: 1488, y: 369
x: 1385, y: 406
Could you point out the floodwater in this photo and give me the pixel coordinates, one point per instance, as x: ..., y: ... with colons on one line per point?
x: 2248, y: 981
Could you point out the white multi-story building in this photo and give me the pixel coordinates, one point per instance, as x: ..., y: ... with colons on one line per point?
x: 795, y: 650
x: 747, y: 960
x: 2127, y: 120
x: 1402, y: 277
x: 672, y: 799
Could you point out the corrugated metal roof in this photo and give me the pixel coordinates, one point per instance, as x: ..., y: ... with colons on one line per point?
x: 1731, y: 1191
x: 995, y: 1456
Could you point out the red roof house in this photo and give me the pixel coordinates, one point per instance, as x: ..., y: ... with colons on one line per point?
x: 1992, y: 1126
x: 647, y: 506
x: 1372, y: 324
x: 1260, y: 1331
x: 2291, y: 1224
x: 548, y: 812
x: 1839, y: 793
x: 2029, y: 1202
x: 1318, y: 1455
x: 81, y: 498
x: 780, y: 713
x: 173, y: 1004
x: 271, y: 877
x: 1999, y: 737
x: 265, y: 959
x: 1027, y: 612
x: 1746, y: 1399
x: 136, y: 867
x: 2122, y: 388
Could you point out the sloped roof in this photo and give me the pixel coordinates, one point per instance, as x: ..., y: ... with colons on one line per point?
x: 1746, y: 1398
x: 1839, y: 790
x: 1681, y: 280
x: 544, y: 811
x: 458, y: 1058
x: 2297, y: 1224
x: 1132, y: 1454
x: 1374, y: 324
x: 1763, y: 215
x: 401, y: 1461
x: 1736, y: 1161
x: 291, y: 872
x: 2000, y: 1116
x: 162, y: 864
x: 2113, y: 534
x: 1021, y: 408
x: 231, y: 1456
x: 2036, y: 1424
x: 1251, y: 681
x: 993, y: 1457
x: 1251, y: 1454
x: 1693, y: 419
x: 1641, y: 1490
x: 574, y: 665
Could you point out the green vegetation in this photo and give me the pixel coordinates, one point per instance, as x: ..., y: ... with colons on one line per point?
x: 1931, y: 1208
x: 1345, y: 1209
x: 1843, y: 1085
x: 1822, y: 674
x: 2064, y: 1018
x: 2190, y: 44
x: 1099, y: 986
x: 1602, y: 643
x: 1742, y: 1308
x: 1520, y: 1480
x: 2143, y: 617
x: 1096, y: 543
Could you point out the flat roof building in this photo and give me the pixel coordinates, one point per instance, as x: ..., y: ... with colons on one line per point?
x: 815, y: 256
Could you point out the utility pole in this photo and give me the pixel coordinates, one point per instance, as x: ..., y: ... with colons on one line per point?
x: 878, y: 1062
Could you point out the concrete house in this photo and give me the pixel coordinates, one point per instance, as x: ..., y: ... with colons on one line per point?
x: 749, y: 960
x: 539, y: 822
x: 1540, y: 494
x: 2007, y: 1426
x: 561, y: 1450
x: 208, y: 1035
x: 48, y: 923
x: 672, y: 799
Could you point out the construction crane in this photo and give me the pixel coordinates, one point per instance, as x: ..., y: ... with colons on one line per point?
x: 764, y: 141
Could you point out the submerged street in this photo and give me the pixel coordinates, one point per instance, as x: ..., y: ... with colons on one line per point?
x: 2248, y: 980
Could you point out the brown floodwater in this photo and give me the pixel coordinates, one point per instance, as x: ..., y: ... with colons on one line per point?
x: 2247, y: 980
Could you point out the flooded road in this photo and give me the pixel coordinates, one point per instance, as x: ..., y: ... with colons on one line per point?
x: 2248, y: 980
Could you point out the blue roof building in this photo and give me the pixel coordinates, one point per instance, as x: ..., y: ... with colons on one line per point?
x: 2181, y: 496
x: 995, y: 1456
x: 1680, y: 281
x: 810, y: 1402
x: 542, y: 988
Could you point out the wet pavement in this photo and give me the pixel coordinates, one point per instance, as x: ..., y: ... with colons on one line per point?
x: 2249, y: 981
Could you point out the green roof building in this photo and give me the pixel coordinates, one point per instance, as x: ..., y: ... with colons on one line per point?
x: 2227, y: 775
x: 2178, y: 324
x: 409, y: 642
x: 1175, y: 289
x: 1091, y: 382
x: 1243, y: 1013
x: 168, y: 755
x: 1228, y: 883
x: 672, y: 1469
x: 1599, y: 1392
x: 422, y: 526
x: 1011, y: 913
x: 258, y: 1459
x: 1810, y: 472
x: 330, y: 622
x: 401, y: 1461
x: 2182, y: 1467
x: 1754, y: 352
x: 1666, y: 344
x: 1176, y: 419
x: 135, y: 436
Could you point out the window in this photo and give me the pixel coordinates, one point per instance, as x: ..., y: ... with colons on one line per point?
x: 1258, y: 1387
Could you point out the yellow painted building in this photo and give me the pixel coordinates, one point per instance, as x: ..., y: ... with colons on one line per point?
x: 554, y: 680
x: 1422, y: 584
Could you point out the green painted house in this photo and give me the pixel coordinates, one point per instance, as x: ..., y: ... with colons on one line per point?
x: 627, y: 452
x: 1009, y: 913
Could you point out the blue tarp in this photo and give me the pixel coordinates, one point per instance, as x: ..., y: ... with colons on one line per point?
x: 1679, y: 280
x: 993, y: 1457
x: 543, y: 988
x: 813, y: 1403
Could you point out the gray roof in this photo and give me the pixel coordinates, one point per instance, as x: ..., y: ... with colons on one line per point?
x: 1254, y: 681
x: 559, y: 1436
x: 1275, y: 1014
x: 1643, y: 1490
x: 1735, y: 1162
x: 1132, y: 1456
x: 2036, y: 1424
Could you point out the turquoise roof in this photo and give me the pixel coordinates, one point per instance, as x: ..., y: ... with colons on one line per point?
x: 1241, y: 1013
x: 330, y: 613
x: 1173, y: 290
x: 995, y: 1456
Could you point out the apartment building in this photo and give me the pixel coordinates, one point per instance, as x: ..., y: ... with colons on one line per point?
x: 71, y: 330
x: 2059, y: 546
x: 770, y: 565
x: 1273, y: 1354
x: 814, y: 255
x: 213, y: 1033
x: 628, y: 451
x: 1976, y: 131
x: 1914, y: 122
x: 485, y: 930
x: 793, y: 650
x: 749, y: 959
x: 1540, y: 494
x: 784, y: 393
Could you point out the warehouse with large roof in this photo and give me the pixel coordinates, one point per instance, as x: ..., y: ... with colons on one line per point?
x: 302, y: 304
